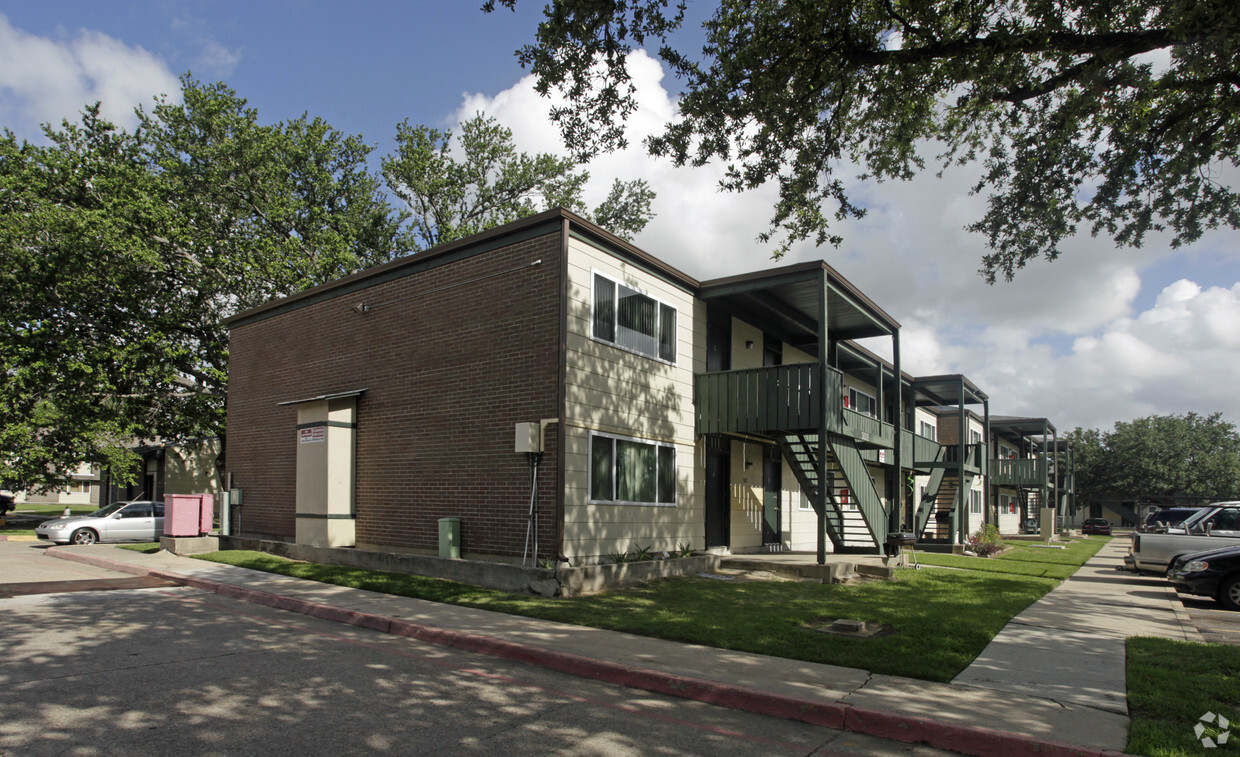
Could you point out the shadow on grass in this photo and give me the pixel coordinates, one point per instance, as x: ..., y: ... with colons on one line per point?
x: 942, y: 621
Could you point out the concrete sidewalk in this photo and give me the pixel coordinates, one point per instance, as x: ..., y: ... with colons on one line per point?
x: 1051, y: 683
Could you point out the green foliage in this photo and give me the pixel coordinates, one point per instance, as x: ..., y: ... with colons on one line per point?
x: 985, y: 542
x: 638, y: 553
x: 942, y: 619
x: 1022, y: 560
x: 1158, y: 458
x: 1064, y: 105
x: 493, y: 184
x: 684, y: 549
x: 122, y: 253
x: 1173, y: 683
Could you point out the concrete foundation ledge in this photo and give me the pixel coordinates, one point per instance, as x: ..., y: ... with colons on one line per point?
x: 190, y: 545
x: 885, y: 572
x: 591, y: 579
x: 492, y: 575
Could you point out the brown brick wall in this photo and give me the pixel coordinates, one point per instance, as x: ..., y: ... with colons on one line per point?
x: 451, y: 358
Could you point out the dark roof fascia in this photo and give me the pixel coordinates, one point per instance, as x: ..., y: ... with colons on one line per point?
x: 795, y: 272
x: 907, y: 379
x: 1029, y: 428
x: 525, y: 228
x: 324, y: 397
x: 976, y: 395
x: 949, y: 411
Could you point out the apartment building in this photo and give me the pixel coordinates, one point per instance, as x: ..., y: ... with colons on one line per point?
x: 555, y: 389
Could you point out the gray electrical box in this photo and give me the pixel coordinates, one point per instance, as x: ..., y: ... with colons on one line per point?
x: 528, y: 438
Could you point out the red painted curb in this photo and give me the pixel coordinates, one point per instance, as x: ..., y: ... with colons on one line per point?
x: 965, y: 739
x: 64, y: 553
x: 969, y: 740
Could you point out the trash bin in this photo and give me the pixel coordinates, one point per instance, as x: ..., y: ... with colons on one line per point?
x: 188, y: 514
x: 450, y: 538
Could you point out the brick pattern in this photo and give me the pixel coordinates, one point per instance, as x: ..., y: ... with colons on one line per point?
x: 451, y: 358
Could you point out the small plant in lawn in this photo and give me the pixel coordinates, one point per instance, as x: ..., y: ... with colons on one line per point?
x: 984, y: 542
x: 684, y: 550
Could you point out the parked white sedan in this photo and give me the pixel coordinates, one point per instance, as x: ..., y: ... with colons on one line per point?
x: 119, y: 521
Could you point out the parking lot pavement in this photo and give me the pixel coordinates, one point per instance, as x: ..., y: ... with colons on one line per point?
x: 1215, y: 624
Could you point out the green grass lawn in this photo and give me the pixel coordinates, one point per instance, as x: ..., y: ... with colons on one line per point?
x: 940, y: 620
x: 1173, y: 683
x: 47, y: 509
x: 1023, y: 559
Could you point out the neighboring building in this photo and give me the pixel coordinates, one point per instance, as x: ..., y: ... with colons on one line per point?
x: 733, y: 413
x: 1032, y: 470
x: 165, y: 468
x: 83, y: 489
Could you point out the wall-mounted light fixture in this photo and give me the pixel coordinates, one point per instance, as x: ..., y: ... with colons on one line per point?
x: 749, y: 344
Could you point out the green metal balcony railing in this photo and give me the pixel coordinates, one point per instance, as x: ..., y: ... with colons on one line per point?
x: 974, y: 457
x: 1018, y: 472
x: 796, y: 398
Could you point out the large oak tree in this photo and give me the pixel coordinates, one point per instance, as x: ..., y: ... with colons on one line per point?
x: 1169, y: 459
x: 1121, y: 117
x: 458, y: 187
x: 121, y: 253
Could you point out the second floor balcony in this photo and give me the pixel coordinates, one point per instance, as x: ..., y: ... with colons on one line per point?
x: 1027, y: 471
x: 799, y: 398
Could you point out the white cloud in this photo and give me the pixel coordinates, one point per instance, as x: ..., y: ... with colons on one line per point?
x: 44, y: 80
x: 1064, y: 341
x: 217, y: 60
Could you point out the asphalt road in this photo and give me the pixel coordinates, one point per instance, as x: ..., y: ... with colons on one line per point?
x: 1214, y: 623
x: 175, y: 671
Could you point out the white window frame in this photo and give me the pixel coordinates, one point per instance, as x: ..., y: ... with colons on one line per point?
x: 924, y: 426
x: 614, y: 462
x: 613, y: 342
x: 850, y: 404
x: 975, y: 501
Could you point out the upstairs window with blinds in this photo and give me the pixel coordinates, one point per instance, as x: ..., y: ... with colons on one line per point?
x: 633, y: 321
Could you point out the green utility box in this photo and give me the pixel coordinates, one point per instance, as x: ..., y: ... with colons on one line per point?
x: 450, y: 538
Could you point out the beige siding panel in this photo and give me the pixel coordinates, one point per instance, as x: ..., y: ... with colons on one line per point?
x: 746, y: 357
x: 794, y: 356
x: 616, y: 391
x: 190, y: 469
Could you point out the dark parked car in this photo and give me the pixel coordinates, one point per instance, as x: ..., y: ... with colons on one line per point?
x: 1214, y: 573
x: 1096, y: 526
x: 1161, y: 520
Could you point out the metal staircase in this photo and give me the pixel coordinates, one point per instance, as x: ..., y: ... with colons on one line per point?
x: 857, y: 525
x: 945, y: 493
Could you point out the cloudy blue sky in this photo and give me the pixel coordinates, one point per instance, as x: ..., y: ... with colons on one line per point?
x: 1100, y: 336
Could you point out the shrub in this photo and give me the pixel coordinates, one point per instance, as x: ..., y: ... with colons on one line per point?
x: 984, y: 542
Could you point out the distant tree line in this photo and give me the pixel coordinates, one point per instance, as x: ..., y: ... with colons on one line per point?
x: 1159, y: 459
